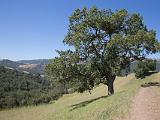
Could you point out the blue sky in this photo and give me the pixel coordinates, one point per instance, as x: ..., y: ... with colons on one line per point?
x: 33, y: 29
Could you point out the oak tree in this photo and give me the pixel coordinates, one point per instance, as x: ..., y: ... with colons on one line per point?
x: 104, y: 42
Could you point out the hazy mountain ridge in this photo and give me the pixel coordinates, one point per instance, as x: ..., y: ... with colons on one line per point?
x: 36, y: 61
x: 9, y: 63
x: 31, y: 66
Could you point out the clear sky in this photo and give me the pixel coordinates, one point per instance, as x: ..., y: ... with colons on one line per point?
x: 33, y: 29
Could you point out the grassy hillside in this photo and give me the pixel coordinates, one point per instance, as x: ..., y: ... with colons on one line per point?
x: 76, y: 106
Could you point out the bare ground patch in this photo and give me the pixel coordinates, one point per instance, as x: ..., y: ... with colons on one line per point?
x: 146, y: 105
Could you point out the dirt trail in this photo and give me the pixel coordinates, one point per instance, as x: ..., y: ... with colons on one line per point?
x: 146, y: 105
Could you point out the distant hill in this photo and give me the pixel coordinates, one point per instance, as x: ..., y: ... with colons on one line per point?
x: 36, y: 61
x: 9, y: 63
x: 31, y: 66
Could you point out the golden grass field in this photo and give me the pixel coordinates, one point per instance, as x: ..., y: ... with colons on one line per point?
x: 85, y: 106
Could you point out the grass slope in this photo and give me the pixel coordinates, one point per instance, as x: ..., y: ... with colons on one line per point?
x: 76, y: 106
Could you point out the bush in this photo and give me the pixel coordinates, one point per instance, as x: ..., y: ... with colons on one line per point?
x: 144, y: 68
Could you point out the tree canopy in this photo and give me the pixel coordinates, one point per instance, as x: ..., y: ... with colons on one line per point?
x: 104, y: 42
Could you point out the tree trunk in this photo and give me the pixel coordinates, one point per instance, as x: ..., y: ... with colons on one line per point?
x: 110, y: 80
x: 110, y: 87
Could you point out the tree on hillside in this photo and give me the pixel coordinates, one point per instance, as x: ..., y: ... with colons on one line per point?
x: 144, y: 68
x: 104, y: 42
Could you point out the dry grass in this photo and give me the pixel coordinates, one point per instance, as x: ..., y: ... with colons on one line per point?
x: 77, y: 106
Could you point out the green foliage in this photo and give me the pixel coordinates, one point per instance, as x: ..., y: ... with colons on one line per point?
x: 105, y: 42
x: 19, y: 89
x: 143, y: 68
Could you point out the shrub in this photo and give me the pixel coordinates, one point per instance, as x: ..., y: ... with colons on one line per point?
x: 144, y: 68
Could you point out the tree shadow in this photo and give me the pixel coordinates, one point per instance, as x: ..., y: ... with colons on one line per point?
x: 85, y: 103
x: 151, y: 72
x: 149, y: 84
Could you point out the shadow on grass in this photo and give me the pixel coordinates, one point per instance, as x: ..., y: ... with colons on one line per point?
x: 85, y: 103
x: 149, y: 84
x: 151, y: 72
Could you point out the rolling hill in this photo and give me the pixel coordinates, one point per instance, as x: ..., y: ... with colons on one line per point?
x: 31, y: 66
x: 9, y: 63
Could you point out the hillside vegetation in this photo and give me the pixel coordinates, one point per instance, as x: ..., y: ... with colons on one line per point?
x: 85, y: 106
x: 19, y: 89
